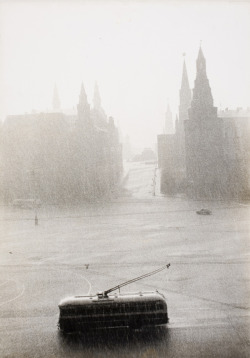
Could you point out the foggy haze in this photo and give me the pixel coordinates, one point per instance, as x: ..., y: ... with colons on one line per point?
x: 132, y: 49
x: 124, y: 146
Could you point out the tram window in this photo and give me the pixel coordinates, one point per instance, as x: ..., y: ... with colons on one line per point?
x: 103, y: 310
x: 81, y: 310
x: 137, y: 307
x: 95, y: 309
x: 159, y: 306
x: 143, y: 307
x: 113, y: 308
x: 133, y: 308
x: 116, y: 308
x: 70, y: 311
x: 88, y: 309
x: 99, y: 310
x: 107, y: 309
x: 152, y: 306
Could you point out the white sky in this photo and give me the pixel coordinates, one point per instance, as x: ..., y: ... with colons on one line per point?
x: 132, y: 49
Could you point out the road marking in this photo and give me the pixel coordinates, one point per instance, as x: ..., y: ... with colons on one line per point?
x: 77, y: 274
x: 14, y: 298
x: 55, y: 269
x: 2, y: 284
x: 59, y: 269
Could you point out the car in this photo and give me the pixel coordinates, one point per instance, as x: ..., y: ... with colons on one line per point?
x: 204, y: 212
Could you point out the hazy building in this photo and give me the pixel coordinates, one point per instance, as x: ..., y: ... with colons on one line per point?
x: 127, y: 148
x: 166, y: 162
x: 185, y: 96
x: 33, y: 151
x: 237, y: 145
x: 146, y: 156
x: 84, y: 120
x: 213, y: 151
x: 209, y: 155
x: 58, y: 157
x: 171, y: 147
x: 98, y: 115
x: 203, y: 137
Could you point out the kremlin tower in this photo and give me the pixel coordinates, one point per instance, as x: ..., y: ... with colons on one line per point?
x: 185, y: 103
x: 206, y: 171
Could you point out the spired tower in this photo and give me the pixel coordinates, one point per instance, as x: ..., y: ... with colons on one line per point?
x: 185, y: 103
x: 83, y: 111
x: 98, y: 114
x: 171, y: 146
x: 185, y: 96
x: 202, y: 108
x: 206, y: 169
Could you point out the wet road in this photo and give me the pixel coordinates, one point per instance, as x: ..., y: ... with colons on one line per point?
x: 207, y: 286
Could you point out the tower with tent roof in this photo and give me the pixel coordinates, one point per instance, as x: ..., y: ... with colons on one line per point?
x: 206, y: 170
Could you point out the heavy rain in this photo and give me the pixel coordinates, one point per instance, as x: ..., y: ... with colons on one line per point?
x: 124, y: 163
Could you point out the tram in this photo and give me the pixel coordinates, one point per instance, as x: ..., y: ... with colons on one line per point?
x: 105, y: 310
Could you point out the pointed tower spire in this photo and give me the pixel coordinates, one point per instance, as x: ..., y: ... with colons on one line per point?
x: 202, y: 103
x: 206, y: 163
x: 185, y: 95
x: 83, y: 97
x: 201, y: 61
x: 56, y: 101
x: 98, y: 114
x: 185, y: 103
x: 184, y: 81
x: 83, y: 109
x: 97, y: 97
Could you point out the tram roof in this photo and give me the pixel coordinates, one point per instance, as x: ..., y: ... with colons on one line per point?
x: 117, y: 297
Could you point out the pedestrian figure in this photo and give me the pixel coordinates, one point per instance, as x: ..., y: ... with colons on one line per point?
x: 36, y: 220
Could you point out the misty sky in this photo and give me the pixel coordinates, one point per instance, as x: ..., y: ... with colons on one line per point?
x: 132, y: 49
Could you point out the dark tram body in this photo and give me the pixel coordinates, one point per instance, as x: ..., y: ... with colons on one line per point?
x: 134, y: 310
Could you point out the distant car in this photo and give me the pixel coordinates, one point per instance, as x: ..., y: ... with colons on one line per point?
x: 204, y: 212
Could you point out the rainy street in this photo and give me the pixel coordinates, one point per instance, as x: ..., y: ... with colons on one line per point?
x: 83, y: 250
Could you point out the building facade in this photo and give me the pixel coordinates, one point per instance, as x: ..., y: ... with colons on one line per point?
x: 206, y: 171
x: 59, y: 158
x: 208, y: 156
x: 171, y: 147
